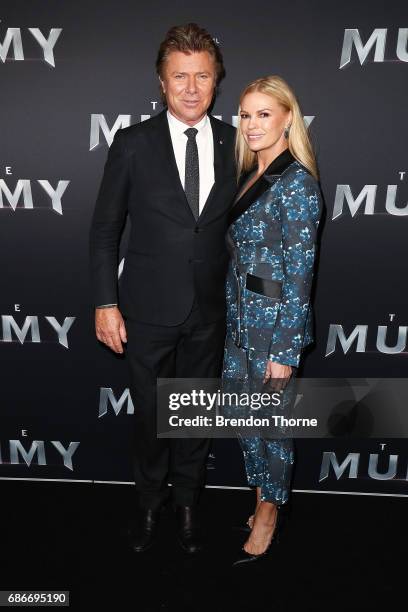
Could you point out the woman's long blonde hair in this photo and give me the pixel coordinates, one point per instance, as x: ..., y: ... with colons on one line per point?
x: 298, y: 141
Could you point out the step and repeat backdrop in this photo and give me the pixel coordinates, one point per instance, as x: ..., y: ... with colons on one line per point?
x: 71, y: 74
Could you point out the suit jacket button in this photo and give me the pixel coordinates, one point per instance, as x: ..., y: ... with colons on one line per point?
x: 196, y: 230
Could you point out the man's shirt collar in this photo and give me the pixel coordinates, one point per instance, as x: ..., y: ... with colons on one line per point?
x: 180, y: 127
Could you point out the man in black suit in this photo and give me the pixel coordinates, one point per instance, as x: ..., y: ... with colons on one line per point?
x: 175, y: 176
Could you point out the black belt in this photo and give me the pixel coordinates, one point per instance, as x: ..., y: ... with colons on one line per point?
x: 264, y: 286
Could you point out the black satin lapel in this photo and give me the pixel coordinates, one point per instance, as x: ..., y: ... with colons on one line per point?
x: 271, y: 174
x: 279, y: 164
x: 249, y: 197
x: 242, y: 180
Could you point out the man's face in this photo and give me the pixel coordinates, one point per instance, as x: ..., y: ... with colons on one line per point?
x: 188, y: 82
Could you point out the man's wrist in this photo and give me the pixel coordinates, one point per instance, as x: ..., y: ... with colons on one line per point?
x: 106, y: 306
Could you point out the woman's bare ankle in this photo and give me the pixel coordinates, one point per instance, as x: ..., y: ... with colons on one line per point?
x: 266, y: 513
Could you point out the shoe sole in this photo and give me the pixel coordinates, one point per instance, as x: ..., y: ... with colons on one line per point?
x: 189, y: 552
x: 142, y: 550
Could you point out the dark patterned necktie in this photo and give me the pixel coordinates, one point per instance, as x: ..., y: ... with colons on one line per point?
x: 192, y: 172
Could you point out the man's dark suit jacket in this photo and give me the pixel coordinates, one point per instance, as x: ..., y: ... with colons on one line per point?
x: 171, y: 257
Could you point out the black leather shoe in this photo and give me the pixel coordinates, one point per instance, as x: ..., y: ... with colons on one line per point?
x: 244, y: 557
x: 187, y: 529
x: 143, y: 536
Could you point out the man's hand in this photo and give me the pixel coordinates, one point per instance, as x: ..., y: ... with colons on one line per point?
x: 277, y: 375
x: 110, y: 328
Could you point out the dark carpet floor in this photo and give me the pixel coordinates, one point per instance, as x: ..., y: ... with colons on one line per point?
x: 337, y: 552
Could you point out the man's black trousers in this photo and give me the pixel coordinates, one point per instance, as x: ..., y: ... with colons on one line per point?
x: 193, y: 349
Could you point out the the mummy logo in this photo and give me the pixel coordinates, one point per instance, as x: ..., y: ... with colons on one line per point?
x: 26, y: 194
x: 386, y: 339
x: 366, y: 201
x: 38, y: 452
x: 381, y: 466
x: 108, y: 400
x: 34, y: 329
x: 12, y: 45
x: 100, y: 130
x: 374, y: 47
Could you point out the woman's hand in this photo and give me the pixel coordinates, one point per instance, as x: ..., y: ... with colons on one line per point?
x: 277, y: 375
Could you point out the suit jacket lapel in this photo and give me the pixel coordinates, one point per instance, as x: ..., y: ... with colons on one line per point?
x: 262, y: 184
x: 218, y: 163
x: 165, y: 145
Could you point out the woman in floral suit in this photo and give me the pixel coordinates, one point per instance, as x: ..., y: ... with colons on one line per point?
x: 272, y: 240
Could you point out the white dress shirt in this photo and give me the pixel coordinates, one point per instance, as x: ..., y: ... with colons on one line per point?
x: 205, y: 146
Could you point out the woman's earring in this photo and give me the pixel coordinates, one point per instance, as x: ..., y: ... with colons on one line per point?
x: 286, y: 132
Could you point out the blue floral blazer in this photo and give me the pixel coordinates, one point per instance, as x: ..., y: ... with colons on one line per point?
x: 272, y: 242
